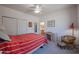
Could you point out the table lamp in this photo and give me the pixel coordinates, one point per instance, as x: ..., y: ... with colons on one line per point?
x: 72, y: 27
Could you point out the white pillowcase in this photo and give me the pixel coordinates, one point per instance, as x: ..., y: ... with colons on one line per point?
x: 4, y: 36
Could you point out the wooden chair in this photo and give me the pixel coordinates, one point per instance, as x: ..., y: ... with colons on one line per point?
x: 49, y: 35
x: 69, y: 41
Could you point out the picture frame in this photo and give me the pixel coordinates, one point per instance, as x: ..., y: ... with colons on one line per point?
x: 29, y: 24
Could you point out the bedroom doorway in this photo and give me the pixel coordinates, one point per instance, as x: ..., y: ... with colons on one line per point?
x: 42, y: 28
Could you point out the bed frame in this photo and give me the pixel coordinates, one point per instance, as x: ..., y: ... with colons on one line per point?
x: 35, y: 49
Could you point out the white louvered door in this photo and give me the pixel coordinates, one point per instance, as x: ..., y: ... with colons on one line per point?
x: 10, y: 25
x: 22, y: 28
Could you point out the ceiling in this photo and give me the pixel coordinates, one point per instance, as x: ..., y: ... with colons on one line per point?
x: 46, y: 8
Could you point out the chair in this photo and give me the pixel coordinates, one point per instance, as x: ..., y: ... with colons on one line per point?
x: 68, y: 40
x: 49, y: 35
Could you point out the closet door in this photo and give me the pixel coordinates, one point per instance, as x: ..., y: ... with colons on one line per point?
x: 10, y: 25
x: 22, y: 28
x: 0, y: 23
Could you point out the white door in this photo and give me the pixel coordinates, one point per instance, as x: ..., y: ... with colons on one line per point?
x: 0, y: 20
x: 22, y: 27
x: 0, y: 23
x: 10, y: 25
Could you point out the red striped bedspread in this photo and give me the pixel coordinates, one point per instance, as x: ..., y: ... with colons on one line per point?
x: 21, y: 44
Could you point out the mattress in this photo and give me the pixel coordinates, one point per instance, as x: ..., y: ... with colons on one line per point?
x: 21, y: 44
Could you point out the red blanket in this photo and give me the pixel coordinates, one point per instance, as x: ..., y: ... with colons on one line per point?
x: 22, y: 43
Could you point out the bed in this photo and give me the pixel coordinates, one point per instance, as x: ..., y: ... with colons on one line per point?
x: 22, y: 44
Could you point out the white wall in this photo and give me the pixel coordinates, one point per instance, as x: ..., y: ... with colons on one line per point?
x: 78, y: 23
x: 63, y: 18
x: 78, y: 15
x: 4, y: 11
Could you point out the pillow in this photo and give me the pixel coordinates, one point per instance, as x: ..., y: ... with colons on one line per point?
x: 4, y: 36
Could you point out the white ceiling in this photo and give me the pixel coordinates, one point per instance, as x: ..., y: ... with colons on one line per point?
x: 46, y: 8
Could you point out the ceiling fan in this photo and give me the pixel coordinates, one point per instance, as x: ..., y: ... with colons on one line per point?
x: 36, y: 7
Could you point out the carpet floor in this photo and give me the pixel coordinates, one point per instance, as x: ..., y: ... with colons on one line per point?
x: 52, y: 48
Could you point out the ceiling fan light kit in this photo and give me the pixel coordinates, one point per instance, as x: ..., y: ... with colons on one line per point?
x: 36, y: 11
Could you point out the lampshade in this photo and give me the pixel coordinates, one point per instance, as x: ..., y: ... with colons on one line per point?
x: 72, y: 26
